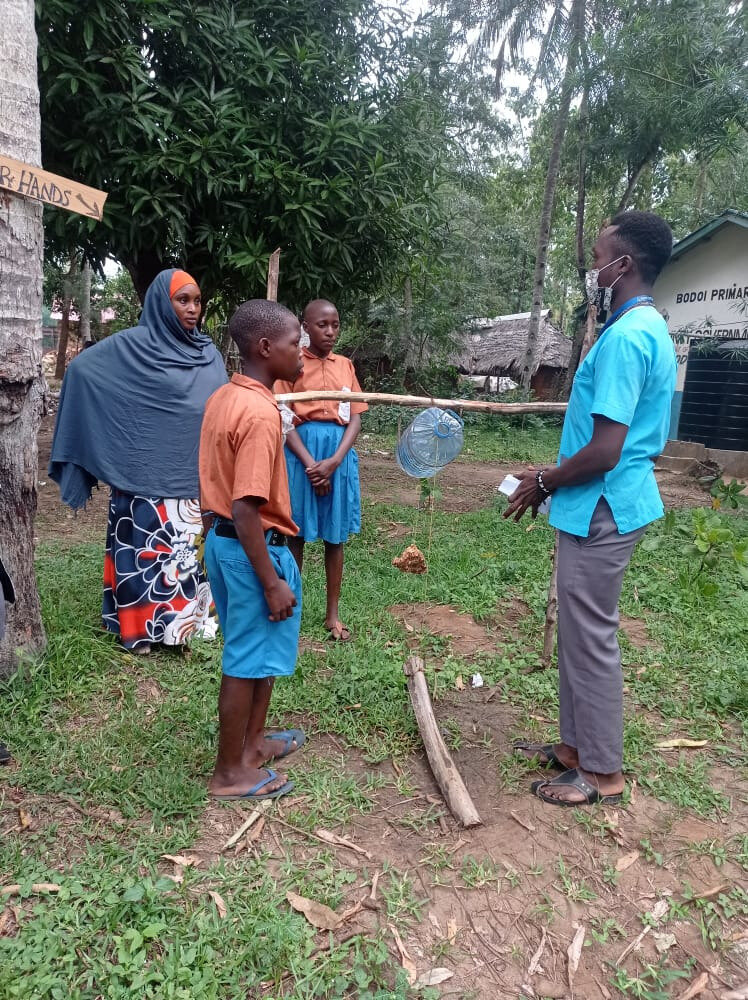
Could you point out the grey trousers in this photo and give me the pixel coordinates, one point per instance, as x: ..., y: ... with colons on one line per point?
x: 590, y: 575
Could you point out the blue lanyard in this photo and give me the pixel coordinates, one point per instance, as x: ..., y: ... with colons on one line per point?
x: 638, y: 300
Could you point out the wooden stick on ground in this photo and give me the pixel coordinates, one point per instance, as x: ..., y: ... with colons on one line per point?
x: 393, y: 399
x: 447, y: 776
x: 250, y: 821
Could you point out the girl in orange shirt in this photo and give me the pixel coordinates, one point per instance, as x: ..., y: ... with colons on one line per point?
x: 322, y: 462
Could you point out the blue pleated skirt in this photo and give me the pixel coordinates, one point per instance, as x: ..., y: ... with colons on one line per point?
x: 334, y: 517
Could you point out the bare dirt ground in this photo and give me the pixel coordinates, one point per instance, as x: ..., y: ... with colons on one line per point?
x: 500, y: 905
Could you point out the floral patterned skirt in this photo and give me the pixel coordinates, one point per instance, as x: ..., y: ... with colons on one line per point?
x: 155, y: 588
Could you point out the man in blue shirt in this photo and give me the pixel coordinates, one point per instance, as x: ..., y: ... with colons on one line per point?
x: 604, y: 496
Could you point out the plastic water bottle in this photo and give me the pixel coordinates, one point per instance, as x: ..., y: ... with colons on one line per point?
x: 431, y: 441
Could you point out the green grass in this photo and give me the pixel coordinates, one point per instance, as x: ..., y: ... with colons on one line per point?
x: 527, y: 438
x: 83, y: 725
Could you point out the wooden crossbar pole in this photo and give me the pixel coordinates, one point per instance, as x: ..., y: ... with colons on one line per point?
x: 393, y: 399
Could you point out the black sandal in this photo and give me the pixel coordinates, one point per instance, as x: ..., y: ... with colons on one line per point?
x: 5, y: 757
x: 573, y: 779
x: 544, y: 748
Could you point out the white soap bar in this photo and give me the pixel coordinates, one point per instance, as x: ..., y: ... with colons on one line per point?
x: 510, y: 484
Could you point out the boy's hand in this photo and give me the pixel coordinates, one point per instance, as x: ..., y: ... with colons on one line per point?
x: 281, y: 601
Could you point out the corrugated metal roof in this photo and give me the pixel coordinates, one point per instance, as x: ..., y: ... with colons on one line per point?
x: 730, y: 215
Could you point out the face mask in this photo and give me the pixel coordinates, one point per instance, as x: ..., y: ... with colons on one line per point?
x: 600, y: 296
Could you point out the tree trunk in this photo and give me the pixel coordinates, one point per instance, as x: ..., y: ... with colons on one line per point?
x: 408, y: 310
x: 574, y: 358
x: 623, y: 204
x: 84, y: 327
x: 21, y: 381
x: 62, y: 347
x: 699, y: 193
x: 582, y: 186
x: 143, y: 270
x: 549, y: 194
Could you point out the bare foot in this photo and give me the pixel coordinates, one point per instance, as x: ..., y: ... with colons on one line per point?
x: 606, y: 784
x: 566, y: 754
x: 240, y: 780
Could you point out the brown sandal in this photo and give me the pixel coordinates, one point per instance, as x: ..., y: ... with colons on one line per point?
x: 339, y: 633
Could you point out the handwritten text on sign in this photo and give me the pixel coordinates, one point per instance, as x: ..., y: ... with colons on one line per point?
x: 33, y: 182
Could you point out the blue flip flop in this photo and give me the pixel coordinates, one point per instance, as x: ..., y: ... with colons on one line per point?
x: 253, y: 793
x: 288, y: 736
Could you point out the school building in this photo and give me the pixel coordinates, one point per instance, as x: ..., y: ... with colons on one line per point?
x: 703, y: 294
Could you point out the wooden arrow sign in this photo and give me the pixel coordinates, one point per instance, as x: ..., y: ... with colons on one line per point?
x: 33, y: 182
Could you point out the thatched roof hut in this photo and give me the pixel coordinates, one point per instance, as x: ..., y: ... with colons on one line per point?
x: 497, y: 347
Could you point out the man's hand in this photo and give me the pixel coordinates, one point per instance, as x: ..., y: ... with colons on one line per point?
x: 281, y: 601
x: 525, y: 497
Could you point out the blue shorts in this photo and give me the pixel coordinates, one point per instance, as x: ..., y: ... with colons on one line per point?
x: 253, y: 646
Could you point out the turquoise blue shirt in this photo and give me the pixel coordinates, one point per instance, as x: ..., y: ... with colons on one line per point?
x: 627, y: 376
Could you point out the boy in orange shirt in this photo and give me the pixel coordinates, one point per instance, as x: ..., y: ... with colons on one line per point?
x: 255, y: 580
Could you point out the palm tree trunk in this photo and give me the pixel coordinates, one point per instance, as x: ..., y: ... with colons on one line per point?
x: 582, y: 184
x: 21, y: 381
x: 549, y: 193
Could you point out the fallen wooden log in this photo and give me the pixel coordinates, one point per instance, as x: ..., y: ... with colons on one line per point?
x: 393, y: 399
x: 447, y: 776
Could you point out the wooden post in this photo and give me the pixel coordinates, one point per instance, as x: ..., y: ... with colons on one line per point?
x: 273, y: 271
x: 551, y: 610
x: 447, y: 776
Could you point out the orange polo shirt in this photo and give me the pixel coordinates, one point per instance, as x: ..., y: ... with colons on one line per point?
x: 334, y: 372
x: 241, y: 453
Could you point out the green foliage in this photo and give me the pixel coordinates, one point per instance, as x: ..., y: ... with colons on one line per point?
x: 730, y: 494
x: 118, y: 294
x: 654, y: 983
x: 222, y: 131
x: 718, y: 549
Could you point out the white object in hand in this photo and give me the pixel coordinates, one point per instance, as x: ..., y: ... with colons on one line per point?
x: 510, y: 484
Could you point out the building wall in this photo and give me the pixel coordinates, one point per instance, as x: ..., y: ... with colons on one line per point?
x: 704, y: 294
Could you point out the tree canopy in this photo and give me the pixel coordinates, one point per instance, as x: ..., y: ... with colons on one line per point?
x: 222, y: 130
x: 365, y: 145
